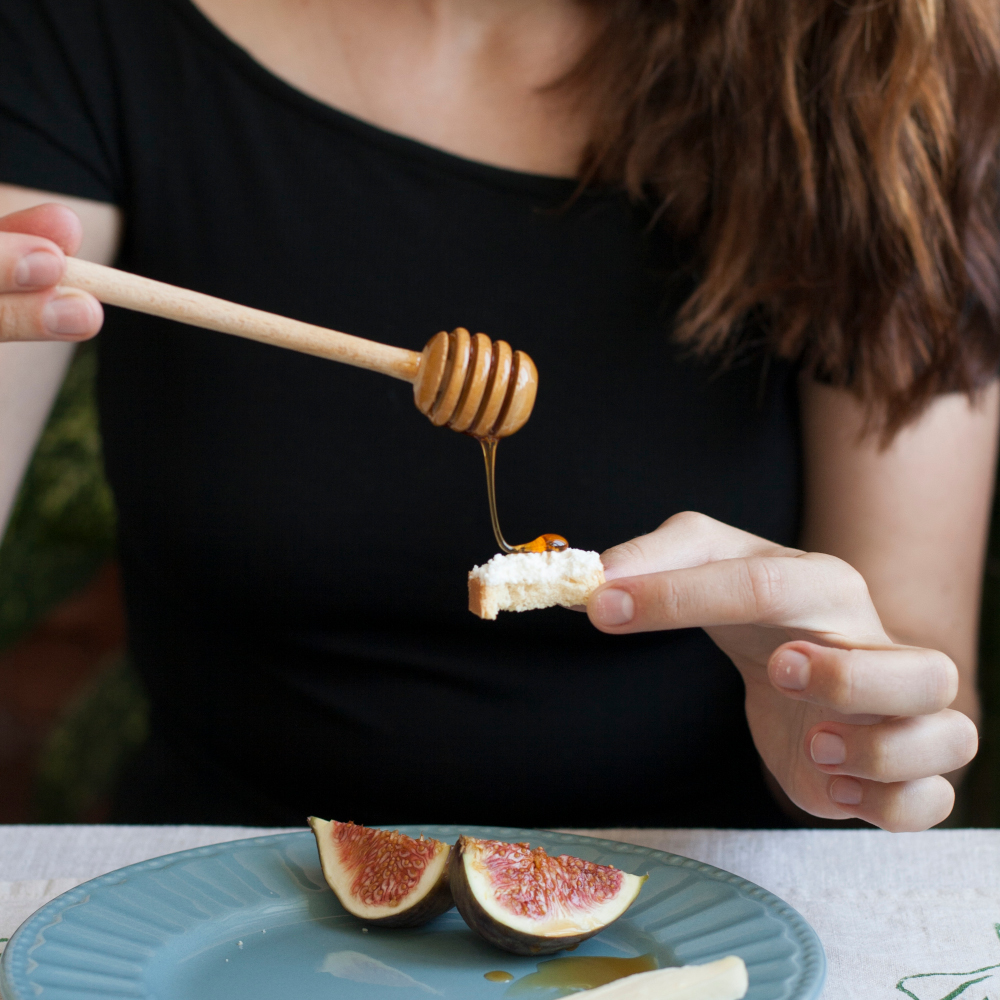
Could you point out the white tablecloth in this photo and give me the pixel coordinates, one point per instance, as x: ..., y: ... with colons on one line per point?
x: 900, y: 915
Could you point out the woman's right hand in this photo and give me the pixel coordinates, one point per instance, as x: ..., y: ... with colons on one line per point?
x: 33, y: 248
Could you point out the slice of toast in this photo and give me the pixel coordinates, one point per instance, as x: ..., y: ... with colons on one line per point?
x: 523, y: 581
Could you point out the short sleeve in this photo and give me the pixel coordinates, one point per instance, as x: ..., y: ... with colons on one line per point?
x: 58, y: 118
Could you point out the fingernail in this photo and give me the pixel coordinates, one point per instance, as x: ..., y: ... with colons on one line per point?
x: 613, y: 607
x: 38, y: 270
x: 791, y: 670
x: 68, y: 315
x: 846, y: 791
x: 828, y: 748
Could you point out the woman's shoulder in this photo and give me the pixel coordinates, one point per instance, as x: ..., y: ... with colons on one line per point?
x: 39, y: 38
x: 64, y: 67
x: 76, y: 29
x: 64, y: 18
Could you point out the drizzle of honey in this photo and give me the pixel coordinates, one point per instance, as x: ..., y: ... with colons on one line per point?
x: 499, y: 976
x: 583, y: 972
x: 543, y: 543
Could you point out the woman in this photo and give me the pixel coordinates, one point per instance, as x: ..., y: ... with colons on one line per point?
x: 802, y: 191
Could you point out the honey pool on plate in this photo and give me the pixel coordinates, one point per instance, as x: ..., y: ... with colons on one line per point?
x: 580, y: 972
x: 573, y: 973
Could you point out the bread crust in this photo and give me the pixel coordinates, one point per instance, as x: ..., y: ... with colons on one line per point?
x: 477, y: 599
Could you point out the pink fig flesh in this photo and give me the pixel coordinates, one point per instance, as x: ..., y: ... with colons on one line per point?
x: 384, y: 877
x: 529, y: 903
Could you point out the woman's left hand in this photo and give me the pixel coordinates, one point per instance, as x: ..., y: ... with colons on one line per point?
x: 850, y: 723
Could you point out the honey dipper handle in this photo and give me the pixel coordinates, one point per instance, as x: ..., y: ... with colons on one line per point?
x: 119, y: 288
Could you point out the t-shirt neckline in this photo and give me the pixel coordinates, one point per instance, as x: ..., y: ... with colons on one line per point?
x: 393, y: 142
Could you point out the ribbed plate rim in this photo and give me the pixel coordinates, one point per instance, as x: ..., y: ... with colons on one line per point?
x: 809, y: 986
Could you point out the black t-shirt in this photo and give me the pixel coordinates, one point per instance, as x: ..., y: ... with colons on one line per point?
x: 295, y: 536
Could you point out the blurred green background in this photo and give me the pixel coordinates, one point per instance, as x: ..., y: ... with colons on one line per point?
x: 63, y: 524
x: 62, y: 531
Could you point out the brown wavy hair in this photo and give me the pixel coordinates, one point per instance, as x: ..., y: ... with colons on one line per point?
x: 836, y: 164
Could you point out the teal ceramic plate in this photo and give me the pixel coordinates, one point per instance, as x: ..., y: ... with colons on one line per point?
x: 254, y: 920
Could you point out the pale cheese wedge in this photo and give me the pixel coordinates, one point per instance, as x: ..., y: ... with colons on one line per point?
x: 725, y: 979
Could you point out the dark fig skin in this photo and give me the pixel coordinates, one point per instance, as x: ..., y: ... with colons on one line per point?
x: 437, y: 901
x: 492, y: 930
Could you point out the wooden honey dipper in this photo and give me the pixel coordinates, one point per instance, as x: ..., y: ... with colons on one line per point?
x: 471, y: 384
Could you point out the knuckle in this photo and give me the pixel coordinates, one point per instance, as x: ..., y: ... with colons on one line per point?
x: 689, y: 520
x: 10, y: 245
x: 13, y: 246
x: 850, y: 582
x: 6, y: 319
x: 630, y: 550
x: 628, y: 555
x: 839, y: 679
x: 843, y: 578
x: 12, y: 321
x: 879, y: 758
x: 669, y: 601
x: 765, y: 584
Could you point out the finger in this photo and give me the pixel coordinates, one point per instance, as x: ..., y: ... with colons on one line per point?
x: 900, y: 807
x: 684, y: 540
x: 905, y: 680
x: 813, y: 592
x: 29, y: 263
x: 62, y: 314
x: 894, y: 750
x: 54, y: 222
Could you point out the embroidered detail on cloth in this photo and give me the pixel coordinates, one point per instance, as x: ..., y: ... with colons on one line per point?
x: 979, y: 984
